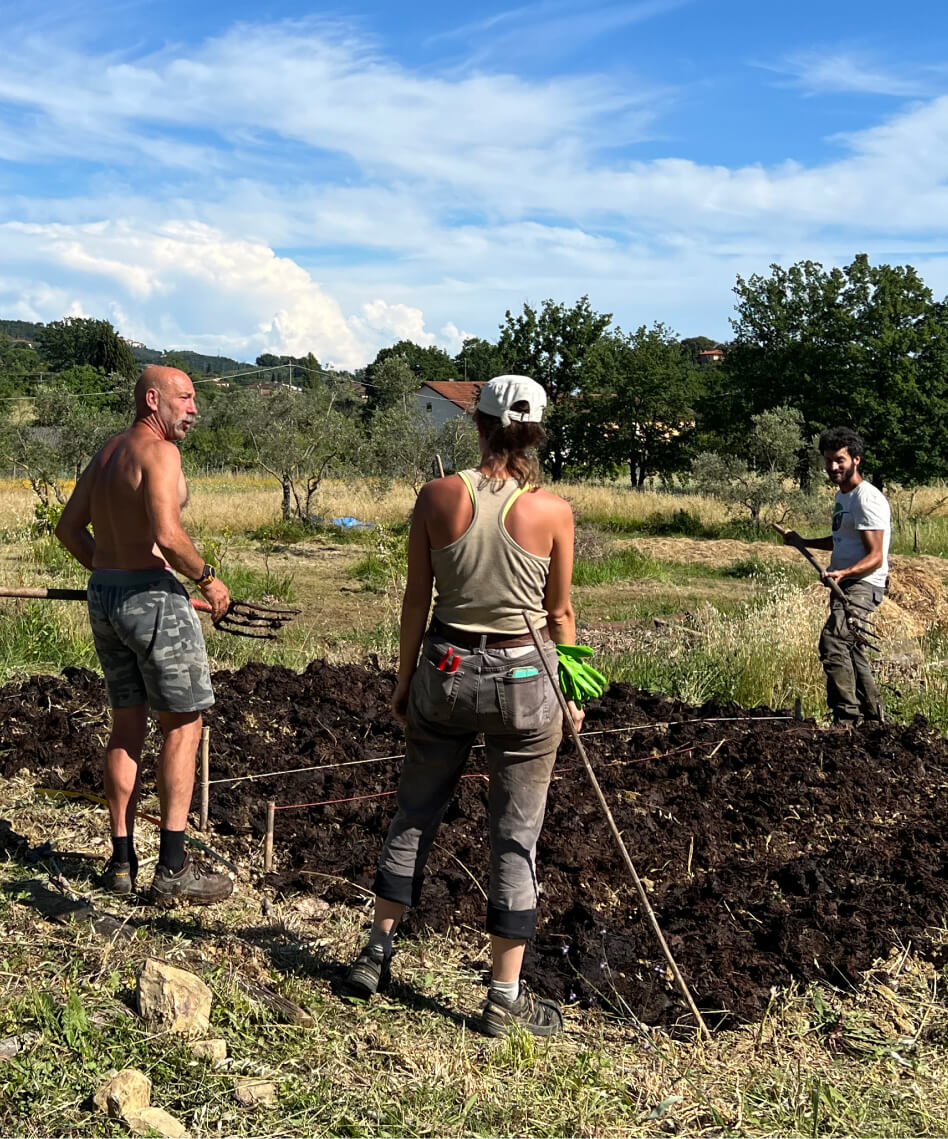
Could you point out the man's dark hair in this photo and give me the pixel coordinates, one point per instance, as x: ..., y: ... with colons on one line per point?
x: 836, y: 438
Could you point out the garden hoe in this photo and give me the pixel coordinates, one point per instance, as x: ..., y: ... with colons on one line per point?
x: 860, y: 634
x: 242, y: 619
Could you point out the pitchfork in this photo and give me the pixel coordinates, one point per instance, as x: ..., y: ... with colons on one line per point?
x: 242, y: 619
x: 860, y: 634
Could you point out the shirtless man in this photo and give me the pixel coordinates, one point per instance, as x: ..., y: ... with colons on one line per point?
x: 147, y: 635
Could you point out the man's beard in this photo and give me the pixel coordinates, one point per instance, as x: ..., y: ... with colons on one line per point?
x: 844, y: 476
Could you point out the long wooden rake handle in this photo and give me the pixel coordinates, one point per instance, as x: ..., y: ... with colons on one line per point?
x: 42, y: 593
x: 860, y: 634
x: 630, y: 865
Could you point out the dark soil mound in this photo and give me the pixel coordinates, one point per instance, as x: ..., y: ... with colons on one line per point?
x: 772, y: 851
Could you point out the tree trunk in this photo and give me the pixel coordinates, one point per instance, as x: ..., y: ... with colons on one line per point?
x: 287, y: 513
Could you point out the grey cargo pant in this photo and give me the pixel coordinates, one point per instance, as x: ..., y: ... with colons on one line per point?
x: 851, y: 691
x: 522, y: 725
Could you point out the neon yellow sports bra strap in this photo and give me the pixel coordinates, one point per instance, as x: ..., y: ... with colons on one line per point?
x: 465, y: 478
x: 513, y: 498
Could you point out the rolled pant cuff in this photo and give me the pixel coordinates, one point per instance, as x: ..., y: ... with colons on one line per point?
x: 515, y: 925
x: 398, y: 887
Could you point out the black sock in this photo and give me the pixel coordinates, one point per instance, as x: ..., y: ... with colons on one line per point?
x: 121, y: 847
x: 171, y: 849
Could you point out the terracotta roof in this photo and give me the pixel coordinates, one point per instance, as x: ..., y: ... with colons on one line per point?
x: 461, y: 392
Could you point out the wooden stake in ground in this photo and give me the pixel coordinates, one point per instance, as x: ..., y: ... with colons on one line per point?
x: 440, y: 466
x: 268, y: 841
x: 643, y: 897
x: 205, y: 774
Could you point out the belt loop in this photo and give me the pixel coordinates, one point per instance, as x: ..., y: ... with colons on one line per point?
x: 483, y: 645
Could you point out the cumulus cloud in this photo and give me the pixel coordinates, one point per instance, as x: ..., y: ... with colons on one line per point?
x: 288, y: 187
x: 190, y: 285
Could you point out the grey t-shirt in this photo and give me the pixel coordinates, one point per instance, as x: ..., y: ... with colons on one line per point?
x: 863, y: 508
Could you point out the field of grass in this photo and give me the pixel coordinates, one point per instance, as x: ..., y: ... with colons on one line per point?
x: 676, y: 597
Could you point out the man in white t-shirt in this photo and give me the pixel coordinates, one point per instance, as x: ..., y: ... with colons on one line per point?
x: 860, y: 566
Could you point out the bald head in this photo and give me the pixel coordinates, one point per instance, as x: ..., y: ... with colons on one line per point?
x: 156, y: 377
x: 165, y: 398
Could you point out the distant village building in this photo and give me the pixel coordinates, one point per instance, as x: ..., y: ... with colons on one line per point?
x: 711, y: 356
x: 19, y: 342
x: 134, y: 343
x: 444, y: 400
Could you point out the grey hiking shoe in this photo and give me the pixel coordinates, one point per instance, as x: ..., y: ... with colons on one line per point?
x: 189, y: 885
x: 370, y: 972
x: 535, y: 1015
x: 119, y: 877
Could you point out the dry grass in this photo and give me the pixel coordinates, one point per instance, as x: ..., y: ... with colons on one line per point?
x: 819, y: 1063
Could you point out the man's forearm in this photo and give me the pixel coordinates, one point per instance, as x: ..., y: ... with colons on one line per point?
x: 181, y: 554
x: 80, y: 544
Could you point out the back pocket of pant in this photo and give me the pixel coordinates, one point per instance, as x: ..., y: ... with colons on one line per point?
x: 524, y: 706
x: 434, y: 692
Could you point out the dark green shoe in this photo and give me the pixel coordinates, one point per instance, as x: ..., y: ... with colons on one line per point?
x: 535, y: 1015
x: 119, y: 877
x: 368, y: 974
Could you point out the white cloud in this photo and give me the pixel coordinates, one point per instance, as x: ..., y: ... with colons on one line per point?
x: 185, y: 279
x: 290, y: 188
x: 848, y: 72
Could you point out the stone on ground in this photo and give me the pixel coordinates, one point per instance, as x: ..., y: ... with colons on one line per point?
x: 254, y: 1092
x: 128, y: 1090
x: 150, y: 1120
x: 213, y: 1050
x: 173, y: 1000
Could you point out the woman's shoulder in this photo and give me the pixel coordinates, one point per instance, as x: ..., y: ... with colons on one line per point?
x: 551, y: 503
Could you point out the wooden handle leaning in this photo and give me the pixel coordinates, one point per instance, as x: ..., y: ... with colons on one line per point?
x: 52, y: 594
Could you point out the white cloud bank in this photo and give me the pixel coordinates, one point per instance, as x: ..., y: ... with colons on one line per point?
x: 344, y: 202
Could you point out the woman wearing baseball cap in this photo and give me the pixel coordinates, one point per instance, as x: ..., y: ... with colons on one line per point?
x: 493, y: 545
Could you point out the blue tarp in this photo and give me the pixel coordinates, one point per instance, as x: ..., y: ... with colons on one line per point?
x: 351, y: 523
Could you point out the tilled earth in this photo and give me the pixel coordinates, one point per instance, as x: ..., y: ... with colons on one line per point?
x: 772, y: 851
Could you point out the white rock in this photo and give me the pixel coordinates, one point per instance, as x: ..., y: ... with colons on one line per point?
x: 254, y: 1092
x: 214, y: 1050
x: 173, y: 1000
x: 128, y: 1090
x: 152, y: 1119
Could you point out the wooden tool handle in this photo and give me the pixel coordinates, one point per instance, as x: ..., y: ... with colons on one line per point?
x: 41, y: 593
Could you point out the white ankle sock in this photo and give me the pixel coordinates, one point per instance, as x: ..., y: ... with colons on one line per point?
x: 509, y: 990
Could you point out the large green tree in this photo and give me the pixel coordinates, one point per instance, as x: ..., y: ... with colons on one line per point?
x: 864, y: 345
x: 426, y: 364
x: 393, y: 384
x: 551, y: 345
x: 637, y: 405
x: 479, y: 360
x: 82, y: 340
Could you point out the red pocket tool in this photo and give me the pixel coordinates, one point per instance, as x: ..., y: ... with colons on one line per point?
x: 450, y: 661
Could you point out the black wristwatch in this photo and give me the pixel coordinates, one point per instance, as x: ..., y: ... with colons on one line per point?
x: 207, y: 574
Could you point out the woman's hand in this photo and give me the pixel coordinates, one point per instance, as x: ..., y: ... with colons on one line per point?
x: 577, y: 715
x: 400, y: 698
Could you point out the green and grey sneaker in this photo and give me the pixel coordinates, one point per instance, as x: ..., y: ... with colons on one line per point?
x: 536, y: 1015
x: 370, y: 972
x: 189, y: 885
x: 119, y: 877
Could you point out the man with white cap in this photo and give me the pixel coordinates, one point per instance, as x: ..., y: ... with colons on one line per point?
x: 495, y: 546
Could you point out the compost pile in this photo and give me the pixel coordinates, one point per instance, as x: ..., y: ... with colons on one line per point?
x: 772, y: 851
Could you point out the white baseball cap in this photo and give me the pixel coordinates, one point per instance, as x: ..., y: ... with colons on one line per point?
x: 500, y: 394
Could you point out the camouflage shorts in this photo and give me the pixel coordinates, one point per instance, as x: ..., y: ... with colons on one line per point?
x: 149, y: 641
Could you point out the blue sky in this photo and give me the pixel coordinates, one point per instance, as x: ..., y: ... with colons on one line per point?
x: 281, y: 177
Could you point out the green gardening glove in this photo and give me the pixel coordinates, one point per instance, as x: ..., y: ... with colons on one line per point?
x: 578, y: 679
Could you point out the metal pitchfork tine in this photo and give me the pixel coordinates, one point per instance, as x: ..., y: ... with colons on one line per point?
x: 860, y: 634
x: 244, y: 619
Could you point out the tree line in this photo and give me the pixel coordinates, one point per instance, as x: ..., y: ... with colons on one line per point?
x: 865, y: 345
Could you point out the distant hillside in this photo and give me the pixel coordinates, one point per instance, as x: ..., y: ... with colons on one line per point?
x: 20, y: 329
x: 190, y: 361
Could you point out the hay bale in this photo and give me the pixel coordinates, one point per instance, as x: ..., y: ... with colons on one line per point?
x: 918, y: 592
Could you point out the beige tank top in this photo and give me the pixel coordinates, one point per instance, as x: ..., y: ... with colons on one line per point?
x: 484, y: 579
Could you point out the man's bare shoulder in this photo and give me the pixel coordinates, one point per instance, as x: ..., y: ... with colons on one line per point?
x: 155, y: 454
